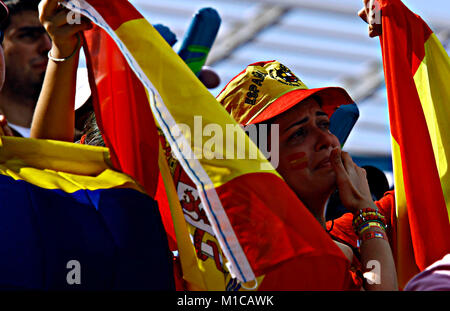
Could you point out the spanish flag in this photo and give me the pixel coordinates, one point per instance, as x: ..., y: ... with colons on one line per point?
x: 417, y: 71
x: 124, y: 118
x: 263, y: 230
x: 70, y: 221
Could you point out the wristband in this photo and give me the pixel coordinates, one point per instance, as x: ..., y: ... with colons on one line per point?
x: 370, y: 236
x: 370, y: 225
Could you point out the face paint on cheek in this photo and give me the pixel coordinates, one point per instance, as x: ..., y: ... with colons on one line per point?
x: 298, y: 161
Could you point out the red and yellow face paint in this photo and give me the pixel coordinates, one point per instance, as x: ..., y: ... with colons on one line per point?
x: 298, y: 161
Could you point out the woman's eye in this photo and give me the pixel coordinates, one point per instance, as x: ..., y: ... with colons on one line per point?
x: 325, y: 124
x: 301, y: 132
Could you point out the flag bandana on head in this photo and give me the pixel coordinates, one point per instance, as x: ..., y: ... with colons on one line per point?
x: 417, y: 71
x: 256, y: 230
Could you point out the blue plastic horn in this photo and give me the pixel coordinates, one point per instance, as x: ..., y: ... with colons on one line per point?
x: 199, y: 38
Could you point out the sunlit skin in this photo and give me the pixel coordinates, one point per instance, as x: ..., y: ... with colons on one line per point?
x: 56, y: 101
x: 304, y: 131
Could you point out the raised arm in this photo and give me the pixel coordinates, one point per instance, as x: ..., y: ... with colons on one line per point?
x: 54, y: 115
x: 374, y: 246
x: 371, y: 14
x: 417, y: 69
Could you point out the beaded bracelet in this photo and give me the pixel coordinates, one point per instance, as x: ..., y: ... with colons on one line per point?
x: 368, y: 214
x: 370, y: 225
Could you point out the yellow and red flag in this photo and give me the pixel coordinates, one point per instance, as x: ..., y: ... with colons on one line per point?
x: 262, y: 228
x: 417, y: 71
x: 117, y: 89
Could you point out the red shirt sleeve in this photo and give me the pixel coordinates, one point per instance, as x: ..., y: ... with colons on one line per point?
x: 387, y: 207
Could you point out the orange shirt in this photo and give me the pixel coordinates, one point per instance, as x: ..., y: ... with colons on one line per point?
x: 343, y: 228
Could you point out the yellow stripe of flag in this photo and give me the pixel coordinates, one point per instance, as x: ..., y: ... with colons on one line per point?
x: 151, y: 52
x: 60, y: 165
x: 432, y: 73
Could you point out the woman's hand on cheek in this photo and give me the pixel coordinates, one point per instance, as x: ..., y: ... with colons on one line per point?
x: 351, y: 181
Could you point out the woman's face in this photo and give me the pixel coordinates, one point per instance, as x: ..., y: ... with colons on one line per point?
x: 305, y: 146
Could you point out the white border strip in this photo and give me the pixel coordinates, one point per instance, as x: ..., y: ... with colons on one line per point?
x: 238, y: 264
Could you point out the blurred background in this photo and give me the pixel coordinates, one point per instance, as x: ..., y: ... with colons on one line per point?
x: 323, y: 42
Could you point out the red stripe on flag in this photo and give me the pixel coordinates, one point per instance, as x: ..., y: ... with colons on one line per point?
x: 115, y: 15
x: 403, y: 40
x: 273, y: 226
x: 412, y: 41
x: 122, y: 110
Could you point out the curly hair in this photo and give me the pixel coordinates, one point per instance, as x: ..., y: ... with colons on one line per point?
x: 93, y: 135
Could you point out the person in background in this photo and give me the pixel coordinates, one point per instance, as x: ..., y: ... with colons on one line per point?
x: 434, y: 278
x: 25, y: 46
